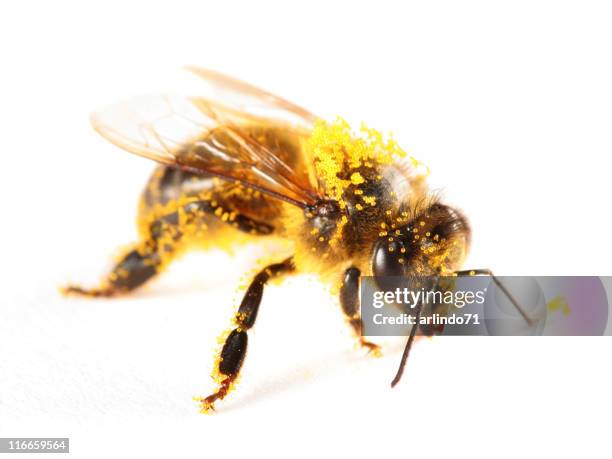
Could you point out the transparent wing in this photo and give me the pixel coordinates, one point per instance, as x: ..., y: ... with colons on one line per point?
x: 246, y: 98
x: 245, y: 134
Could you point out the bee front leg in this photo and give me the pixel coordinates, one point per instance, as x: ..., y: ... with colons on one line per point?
x: 349, y: 300
x: 231, y: 357
x: 487, y: 272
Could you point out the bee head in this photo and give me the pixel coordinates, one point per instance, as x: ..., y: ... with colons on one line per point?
x: 434, y: 241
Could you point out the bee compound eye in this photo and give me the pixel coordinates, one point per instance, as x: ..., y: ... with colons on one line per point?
x: 387, y: 260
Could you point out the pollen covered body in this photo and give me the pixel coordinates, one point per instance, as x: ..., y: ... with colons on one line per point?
x: 374, y: 192
x: 243, y: 165
x: 371, y: 188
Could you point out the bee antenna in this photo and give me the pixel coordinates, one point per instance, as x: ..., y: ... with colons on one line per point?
x: 413, y: 330
x: 400, y: 370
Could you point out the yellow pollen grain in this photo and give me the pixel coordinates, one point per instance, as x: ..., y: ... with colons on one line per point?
x: 370, y: 200
x: 357, y: 179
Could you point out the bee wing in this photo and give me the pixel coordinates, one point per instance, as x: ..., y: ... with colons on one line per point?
x: 246, y: 98
x: 225, y: 138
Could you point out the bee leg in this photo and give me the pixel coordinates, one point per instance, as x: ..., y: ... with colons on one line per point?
x: 158, y: 247
x: 142, y: 262
x: 349, y: 300
x: 488, y: 272
x: 234, y: 348
x: 133, y: 269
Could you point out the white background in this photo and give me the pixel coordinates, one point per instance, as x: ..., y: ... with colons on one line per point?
x: 509, y: 103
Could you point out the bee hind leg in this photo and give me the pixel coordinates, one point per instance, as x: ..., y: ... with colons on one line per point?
x: 162, y: 240
x: 349, y: 301
x: 233, y: 352
x: 144, y: 260
x: 133, y: 269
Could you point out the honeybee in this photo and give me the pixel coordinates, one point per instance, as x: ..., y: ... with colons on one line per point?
x: 239, y: 164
